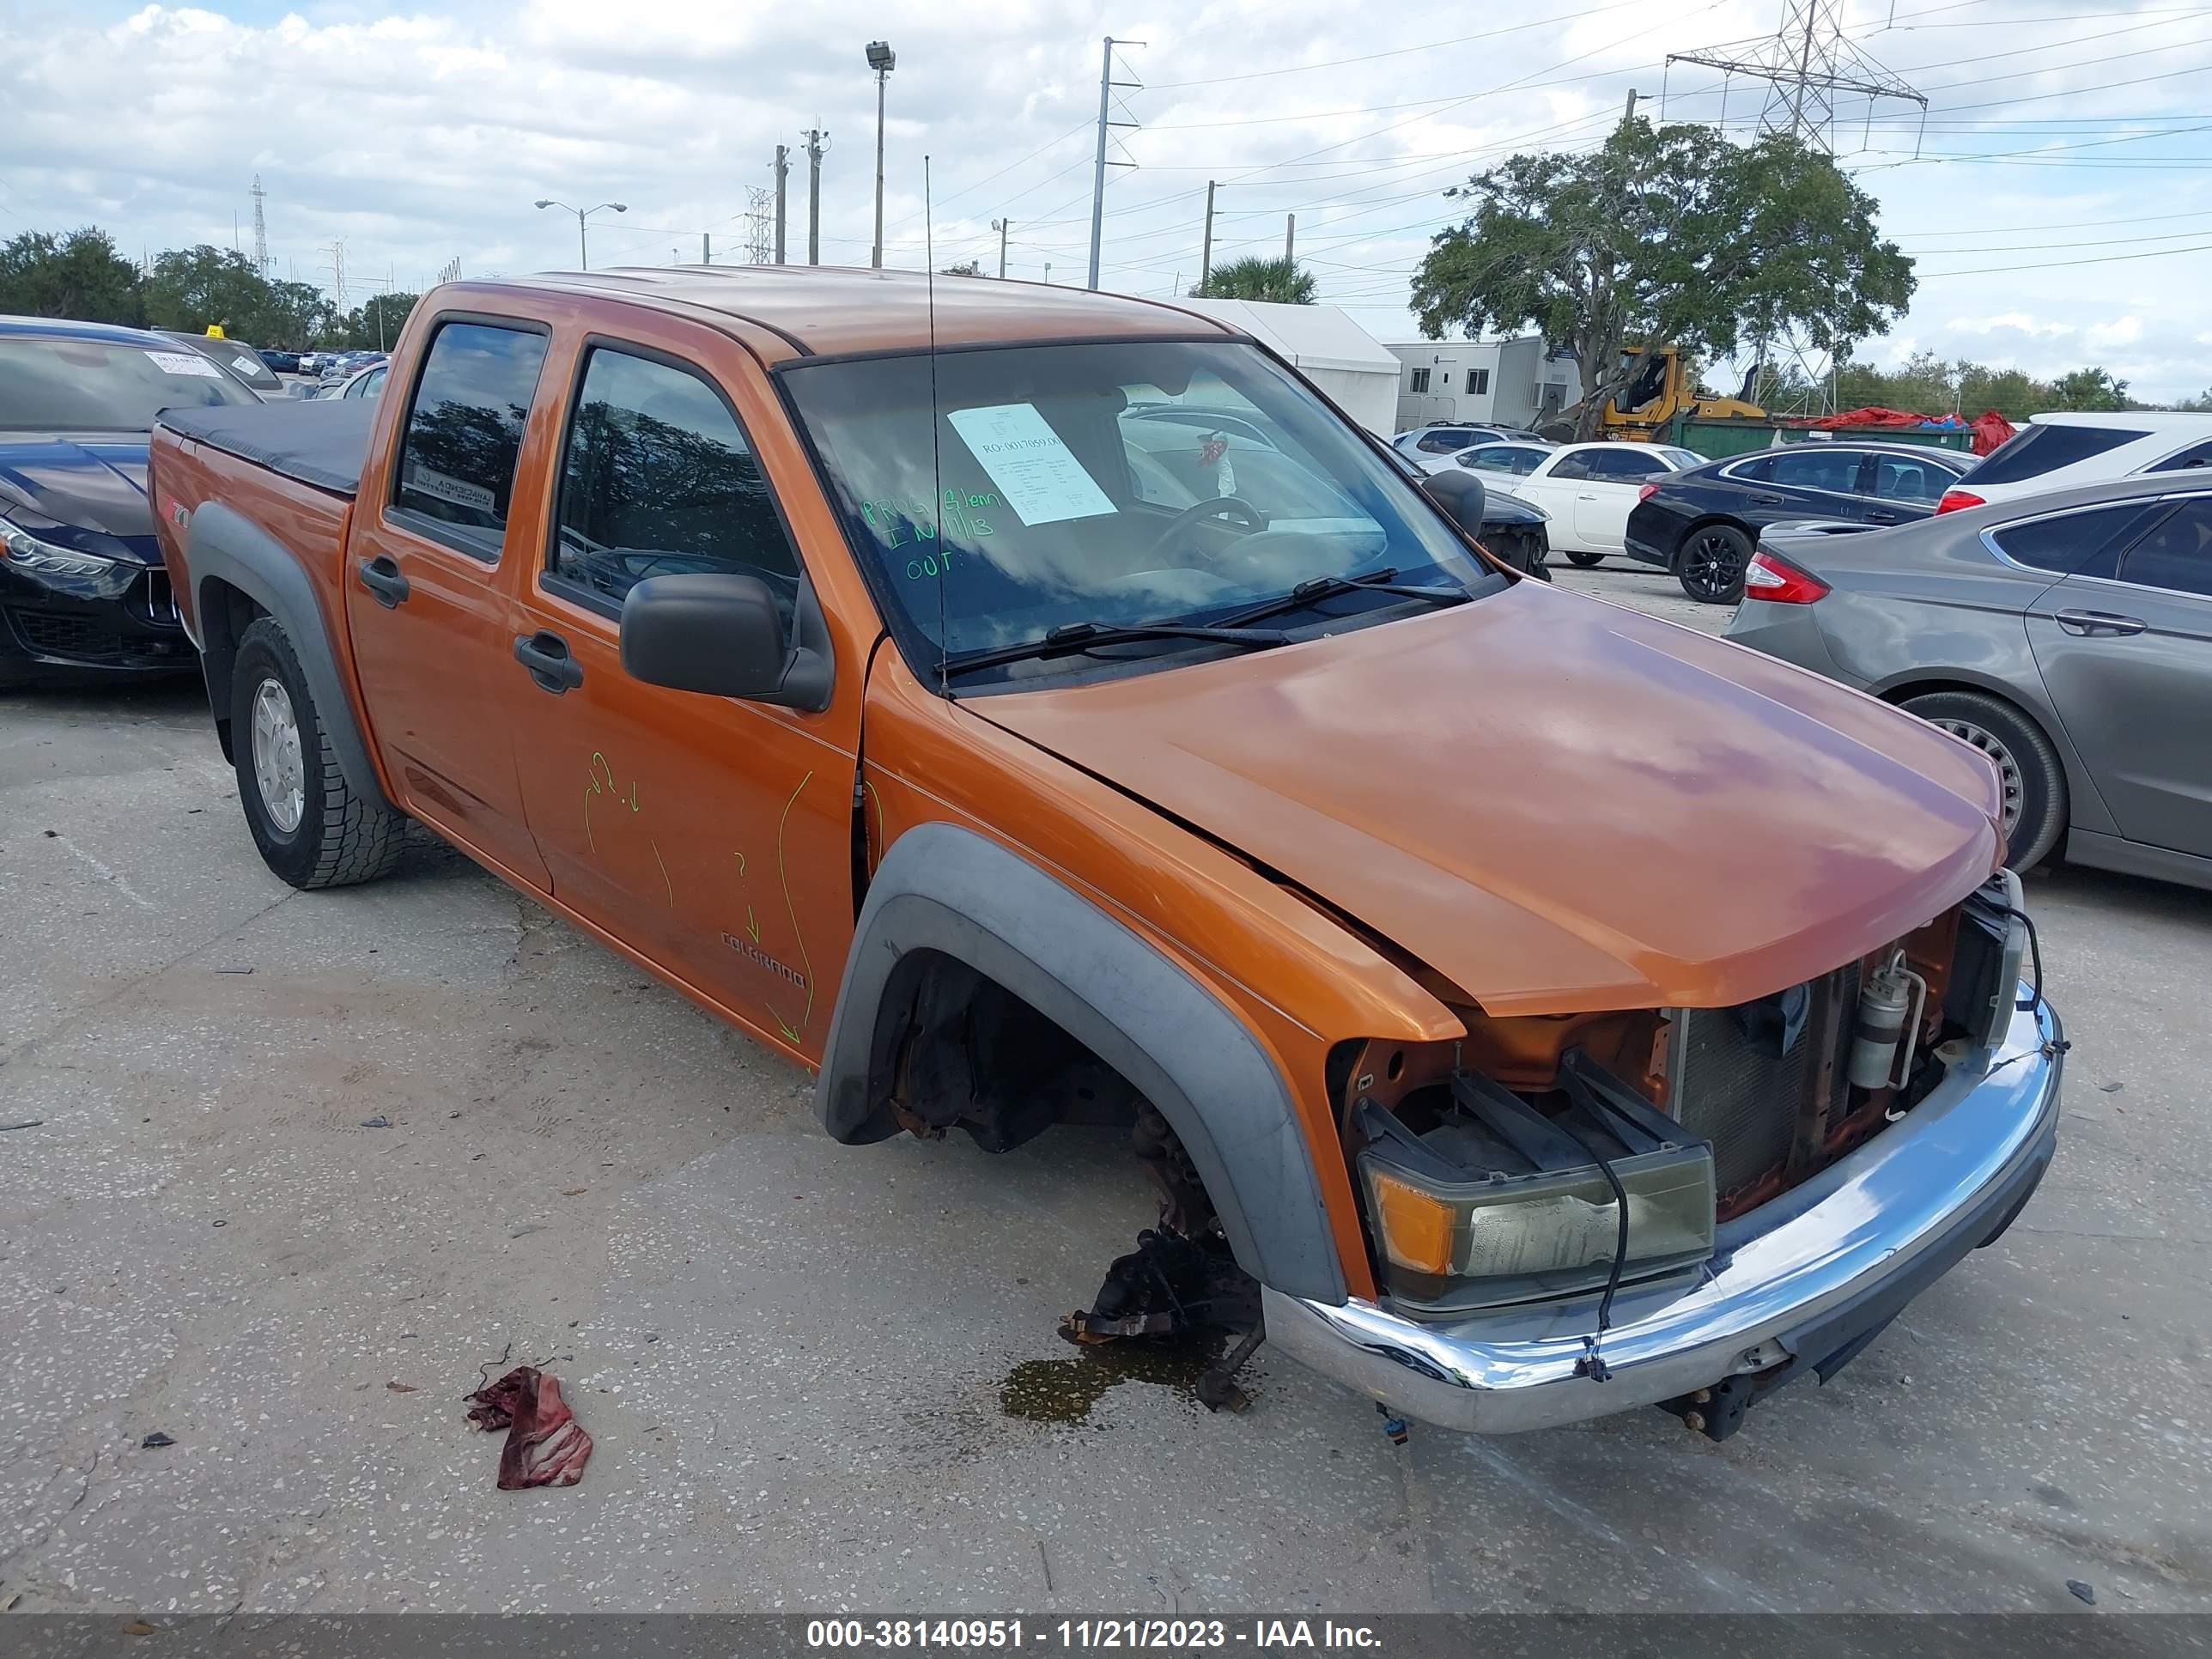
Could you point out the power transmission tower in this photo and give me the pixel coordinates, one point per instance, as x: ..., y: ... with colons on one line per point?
x: 1807, y: 66
x: 782, y: 173
x: 1106, y: 85
x: 760, y: 203
x: 814, y: 152
x: 260, y: 229
x: 336, y: 268
x: 451, y: 270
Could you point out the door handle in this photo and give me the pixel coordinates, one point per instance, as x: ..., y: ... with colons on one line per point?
x: 1880, y: 515
x: 1586, y: 498
x: 2090, y: 623
x: 380, y: 576
x: 1768, y: 501
x: 546, y: 656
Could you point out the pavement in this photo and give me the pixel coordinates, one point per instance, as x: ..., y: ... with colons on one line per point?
x: 306, y: 1168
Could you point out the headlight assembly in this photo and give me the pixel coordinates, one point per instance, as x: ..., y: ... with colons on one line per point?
x: 23, y: 550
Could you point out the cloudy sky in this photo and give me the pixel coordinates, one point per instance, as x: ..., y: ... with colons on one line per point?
x: 2059, y: 197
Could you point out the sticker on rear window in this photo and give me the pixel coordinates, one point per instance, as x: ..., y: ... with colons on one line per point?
x: 185, y: 362
x: 247, y: 365
x: 459, y: 491
x: 1039, y: 473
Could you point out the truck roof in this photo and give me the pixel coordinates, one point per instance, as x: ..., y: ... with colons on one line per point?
x: 829, y: 311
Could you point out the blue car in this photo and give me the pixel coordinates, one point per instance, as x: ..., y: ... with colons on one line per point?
x: 82, y: 592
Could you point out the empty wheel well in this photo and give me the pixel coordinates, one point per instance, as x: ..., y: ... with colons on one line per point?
x: 223, y: 613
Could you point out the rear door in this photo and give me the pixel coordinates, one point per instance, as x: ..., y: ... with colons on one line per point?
x: 425, y: 599
x: 1896, y: 488
x: 711, y: 836
x: 2128, y: 659
x: 1814, y: 481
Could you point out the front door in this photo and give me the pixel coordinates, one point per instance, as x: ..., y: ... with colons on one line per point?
x: 711, y: 836
x: 1607, y: 493
x: 2127, y: 660
x: 425, y: 597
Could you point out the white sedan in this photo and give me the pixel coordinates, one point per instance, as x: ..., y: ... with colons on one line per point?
x: 1589, y: 489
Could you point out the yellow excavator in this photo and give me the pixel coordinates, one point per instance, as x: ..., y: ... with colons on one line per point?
x: 1661, y: 387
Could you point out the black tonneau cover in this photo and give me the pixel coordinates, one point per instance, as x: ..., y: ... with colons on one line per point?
x: 318, y: 440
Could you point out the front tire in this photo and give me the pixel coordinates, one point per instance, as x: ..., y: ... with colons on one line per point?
x: 2028, y: 768
x: 1710, y: 563
x: 312, y: 828
x: 1584, y: 561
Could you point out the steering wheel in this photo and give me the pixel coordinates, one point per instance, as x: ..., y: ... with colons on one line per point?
x: 1254, y: 518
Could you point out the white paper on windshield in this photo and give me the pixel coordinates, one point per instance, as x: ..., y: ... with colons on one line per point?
x: 247, y: 365
x: 1034, y: 469
x: 185, y: 362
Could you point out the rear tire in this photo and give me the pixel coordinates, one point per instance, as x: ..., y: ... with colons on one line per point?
x: 312, y: 828
x: 2033, y: 780
x: 1584, y: 561
x: 1709, y: 564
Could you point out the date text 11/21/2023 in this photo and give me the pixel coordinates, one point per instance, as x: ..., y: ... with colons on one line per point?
x: 1172, y: 1635
x: 914, y: 524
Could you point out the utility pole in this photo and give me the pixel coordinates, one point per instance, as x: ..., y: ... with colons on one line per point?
x: 1047, y: 273
x: 782, y: 171
x: 883, y: 60
x: 1629, y: 114
x: 1000, y: 225
x: 1205, y: 248
x: 814, y: 137
x: 1290, y: 239
x: 1106, y: 85
x: 706, y: 248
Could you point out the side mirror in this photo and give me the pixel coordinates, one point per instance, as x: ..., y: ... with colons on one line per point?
x: 1460, y: 493
x: 719, y: 634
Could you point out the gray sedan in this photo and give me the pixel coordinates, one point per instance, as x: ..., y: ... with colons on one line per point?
x: 2067, y: 636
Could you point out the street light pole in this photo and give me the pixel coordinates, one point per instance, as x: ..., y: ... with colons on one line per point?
x: 883, y: 60
x: 999, y: 225
x: 583, y: 251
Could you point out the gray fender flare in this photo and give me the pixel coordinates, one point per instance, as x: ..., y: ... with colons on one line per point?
x: 225, y: 546
x: 944, y: 889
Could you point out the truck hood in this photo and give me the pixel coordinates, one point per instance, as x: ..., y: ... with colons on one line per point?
x: 1557, y: 804
x: 85, y: 493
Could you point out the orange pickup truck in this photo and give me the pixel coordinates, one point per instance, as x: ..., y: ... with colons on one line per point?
x: 1025, y: 706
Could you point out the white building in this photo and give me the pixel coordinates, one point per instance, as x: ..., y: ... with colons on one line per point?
x: 1348, y: 364
x: 1499, y: 382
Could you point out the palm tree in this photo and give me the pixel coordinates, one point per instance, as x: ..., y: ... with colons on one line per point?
x: 1254, y: 278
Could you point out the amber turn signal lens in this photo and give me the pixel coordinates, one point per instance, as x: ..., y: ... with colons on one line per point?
x: 1416, y: 1227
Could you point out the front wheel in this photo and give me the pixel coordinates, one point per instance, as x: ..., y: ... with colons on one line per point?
x: 1710, y: 565
x: 1584, y: 561
x: 311, y: 828
x: 2028, y: 769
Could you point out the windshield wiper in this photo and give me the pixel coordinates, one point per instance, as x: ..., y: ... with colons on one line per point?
x: 1070, y: 638
x: 1323, y: 587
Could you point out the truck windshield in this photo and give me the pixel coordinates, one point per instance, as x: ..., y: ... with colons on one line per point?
x: 98, y: 386
x: 1114, y: 484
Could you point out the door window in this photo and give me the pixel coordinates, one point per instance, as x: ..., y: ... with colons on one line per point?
x: 2177, y: 553
x: 2195, y: 456
x: 1623, y: 465
x: 1444, y: 441
x: 657, y: 479
x: 1516, y: 458
x: 2070, y: 543
x: 1920, y: 483
x: 1574, y: 466
x: 1818, y: 468
x: 465, y: 432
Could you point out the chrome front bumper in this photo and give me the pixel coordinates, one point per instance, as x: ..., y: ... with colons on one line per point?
x: 1789, y: 1283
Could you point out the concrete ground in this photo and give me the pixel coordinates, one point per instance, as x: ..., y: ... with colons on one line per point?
x: 825, y: 1378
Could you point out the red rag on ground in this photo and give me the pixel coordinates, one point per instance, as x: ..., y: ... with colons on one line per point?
x: 545, y: 1444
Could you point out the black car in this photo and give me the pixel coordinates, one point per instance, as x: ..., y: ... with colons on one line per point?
x: 1702, y: 524
x: 281, y: 362
x: 82, y: 592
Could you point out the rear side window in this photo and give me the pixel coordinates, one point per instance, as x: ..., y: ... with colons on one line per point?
x: 658, y: 480
x: 2084, y: 543
x: 1754, y: 472
x: 2195, y: 455
x: 2035, y: 450
x: 464, y: 430
x: 1624, y: 466
x: 1443, y: 443
x: 1576, y: 465
x: 2177, y: 553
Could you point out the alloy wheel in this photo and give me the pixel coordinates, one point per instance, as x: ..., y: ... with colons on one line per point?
x: 1710, y: 566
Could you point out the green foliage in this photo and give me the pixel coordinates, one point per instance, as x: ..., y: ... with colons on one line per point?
x: 965, y: 268
x: 2201, y: 403
x: 1277, y: 280
x: 373, y: 326
x: 1928, y: 385
x: 2089, y: 389
x: 1668, y: 235
x: 194, y: 287
x: 80, y: 276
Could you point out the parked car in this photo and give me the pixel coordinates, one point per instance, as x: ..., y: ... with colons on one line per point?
x: 82, y: 591
x: 281, y: 362
x: 857, y: 688
x: 233, y: 357
x: 1431, y: 448
x: 2060, y: 450
x: 1508, y: 459
x: 1702, y: 524
x: 1589, y: 489
x: 357, y: 383
x: 343, y: 365
x: 2066, y: 635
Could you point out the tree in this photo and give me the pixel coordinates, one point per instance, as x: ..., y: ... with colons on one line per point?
x: 1667, y: 235
x: 1254, y: 278
x: 375, y: 326
x: 2089, y: 389
x: 965, y: 268
x: 80, y: 276
x: 192, y: 287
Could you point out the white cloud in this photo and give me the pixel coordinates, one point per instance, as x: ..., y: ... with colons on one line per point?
x: 417, y: 135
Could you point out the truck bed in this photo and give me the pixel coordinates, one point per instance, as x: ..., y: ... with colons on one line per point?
x: 320, y: 441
